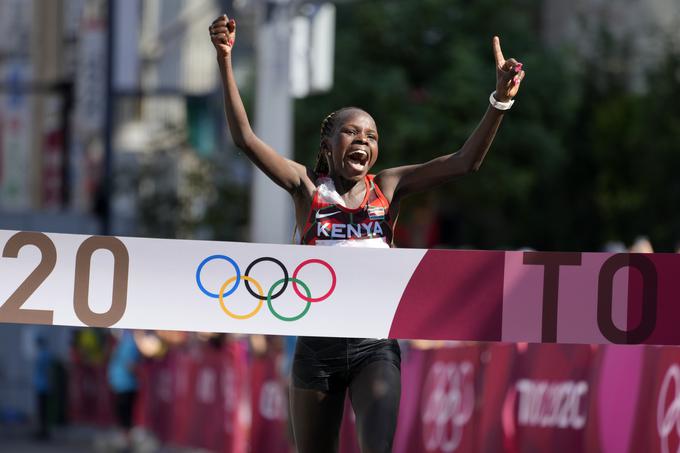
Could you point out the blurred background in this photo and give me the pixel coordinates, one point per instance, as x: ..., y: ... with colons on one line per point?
x: 111, y: 122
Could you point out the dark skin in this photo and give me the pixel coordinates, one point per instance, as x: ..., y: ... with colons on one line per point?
x: 352, y: 148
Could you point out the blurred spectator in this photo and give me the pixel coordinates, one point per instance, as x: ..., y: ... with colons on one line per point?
x: 123, y: 381
x: 43, y: 386
x: 89, y: 346
x: 641, y: 245
x: 614, y: 247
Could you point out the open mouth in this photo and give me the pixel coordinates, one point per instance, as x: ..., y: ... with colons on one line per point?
x: 357, y: 159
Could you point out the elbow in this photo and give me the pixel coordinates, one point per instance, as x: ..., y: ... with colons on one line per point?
x: 463, y: 164
x: 471, y: 166
x: 242, y: 142
x: 239, y: 142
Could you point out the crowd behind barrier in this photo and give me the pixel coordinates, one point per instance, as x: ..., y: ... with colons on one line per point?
x: 226, y: 396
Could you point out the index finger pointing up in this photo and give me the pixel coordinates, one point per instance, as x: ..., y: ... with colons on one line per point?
x: 497, y: 52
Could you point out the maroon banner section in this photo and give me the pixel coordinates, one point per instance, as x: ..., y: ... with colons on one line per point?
x: 184, y: 371
x: 658, y: 429
x: 157, y: 388
x: 413, y: 368
x: 90, y: 399
x: 550, y: 395
x: 269, y: 402
x: 208, y: 411
x: 615, y: 395
x: 666, y: 309
x: 442, y: 414
x: 496, y: 420
x: 464, y: 298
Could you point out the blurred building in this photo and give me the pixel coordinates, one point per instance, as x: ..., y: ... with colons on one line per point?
x: 45, y: 180
x: 75, y: 137
x: 67, y: 123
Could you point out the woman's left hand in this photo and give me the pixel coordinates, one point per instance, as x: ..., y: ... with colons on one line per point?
x: 509, y: 74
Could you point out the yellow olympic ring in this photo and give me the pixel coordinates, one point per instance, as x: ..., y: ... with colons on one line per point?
x: 247, y: 315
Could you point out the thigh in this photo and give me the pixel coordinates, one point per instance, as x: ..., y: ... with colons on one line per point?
x: 316, y: 418
x: 375, y: 393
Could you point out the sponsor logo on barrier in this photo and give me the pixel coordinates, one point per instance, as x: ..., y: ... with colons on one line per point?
x: 231, y: 397
x: 272, y: 402
x: 271, y: 295
x: 551, y: 404
x: 206, y: 385
x: 668, y: 413
x: 164, y: 385
x: 450, y: 398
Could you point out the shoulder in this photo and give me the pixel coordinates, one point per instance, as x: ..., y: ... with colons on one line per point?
x: 387, y: 180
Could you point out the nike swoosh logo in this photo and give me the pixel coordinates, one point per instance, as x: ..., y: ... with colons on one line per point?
x: 323, y: 216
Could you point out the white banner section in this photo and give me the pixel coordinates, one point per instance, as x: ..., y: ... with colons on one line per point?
x: 209, y: 286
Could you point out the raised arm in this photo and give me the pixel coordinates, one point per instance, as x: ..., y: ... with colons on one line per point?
x: 401, y: 181
x: 282, y: 171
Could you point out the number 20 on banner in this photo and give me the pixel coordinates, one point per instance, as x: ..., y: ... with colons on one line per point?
x: 11, y: 311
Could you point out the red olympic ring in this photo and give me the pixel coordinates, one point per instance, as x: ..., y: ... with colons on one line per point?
x: 314, y: 299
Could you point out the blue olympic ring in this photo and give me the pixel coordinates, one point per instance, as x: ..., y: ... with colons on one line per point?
x: 206, y: 261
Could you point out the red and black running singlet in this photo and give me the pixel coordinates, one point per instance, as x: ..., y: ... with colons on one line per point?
x: 331, y: 222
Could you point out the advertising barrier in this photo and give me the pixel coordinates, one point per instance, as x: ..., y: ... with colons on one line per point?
x: 457, y: 398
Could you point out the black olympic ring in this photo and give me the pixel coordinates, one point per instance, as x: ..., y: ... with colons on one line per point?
x: 275, y: 261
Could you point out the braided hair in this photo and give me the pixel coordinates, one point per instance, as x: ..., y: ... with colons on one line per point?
x: 327, y: 126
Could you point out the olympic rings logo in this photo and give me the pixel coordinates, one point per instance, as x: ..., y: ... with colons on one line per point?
x: 259, y: 292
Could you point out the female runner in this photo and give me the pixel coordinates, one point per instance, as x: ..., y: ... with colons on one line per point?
x: 339, y: 203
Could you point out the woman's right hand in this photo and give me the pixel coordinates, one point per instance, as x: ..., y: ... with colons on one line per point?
x: 223, y: 35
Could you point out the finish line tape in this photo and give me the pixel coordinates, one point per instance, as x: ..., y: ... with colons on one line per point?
x: 165, y: 284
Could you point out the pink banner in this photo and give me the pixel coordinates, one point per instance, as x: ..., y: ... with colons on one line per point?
x: 615, y: 388
x: 585, y: 298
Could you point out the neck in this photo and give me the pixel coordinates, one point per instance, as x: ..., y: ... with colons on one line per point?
x: 344, y: 186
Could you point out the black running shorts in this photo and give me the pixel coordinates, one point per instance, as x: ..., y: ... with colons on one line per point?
x: 330, y: 364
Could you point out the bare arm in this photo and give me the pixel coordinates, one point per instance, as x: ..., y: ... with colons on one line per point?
x: 402, y: 181
x: 284, y: 172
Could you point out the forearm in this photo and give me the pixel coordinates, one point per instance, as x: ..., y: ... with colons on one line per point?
x: 237, y: 118
x: 478, y: 144
x: 283, y: 172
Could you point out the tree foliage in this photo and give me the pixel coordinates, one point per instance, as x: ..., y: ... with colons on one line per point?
x: 578, y: 161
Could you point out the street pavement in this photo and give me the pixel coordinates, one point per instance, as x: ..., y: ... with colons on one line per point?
x: 19, y: 439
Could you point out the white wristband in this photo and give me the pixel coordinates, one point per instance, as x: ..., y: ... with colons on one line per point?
x: 498, y: 104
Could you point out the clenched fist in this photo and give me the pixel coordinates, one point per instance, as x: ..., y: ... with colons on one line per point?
x: 223, y: 35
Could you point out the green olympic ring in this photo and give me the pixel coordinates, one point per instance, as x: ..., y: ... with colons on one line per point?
x: 271, y: 291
